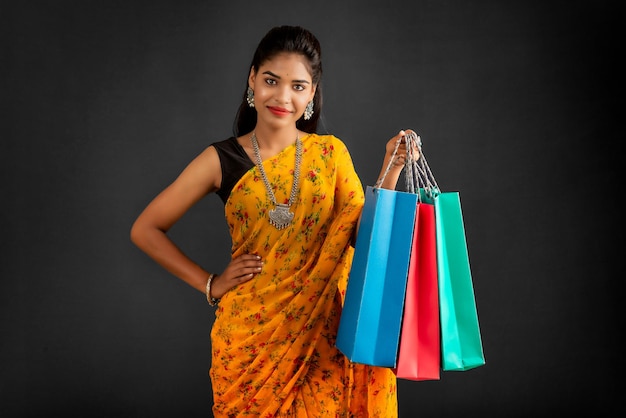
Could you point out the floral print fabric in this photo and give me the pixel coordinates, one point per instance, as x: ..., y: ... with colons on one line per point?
x: 273, y: 338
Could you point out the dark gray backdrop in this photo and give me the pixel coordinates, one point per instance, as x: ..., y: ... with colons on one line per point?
x: 104, y: 103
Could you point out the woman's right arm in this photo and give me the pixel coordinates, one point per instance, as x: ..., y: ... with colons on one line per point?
x: 149, y: 231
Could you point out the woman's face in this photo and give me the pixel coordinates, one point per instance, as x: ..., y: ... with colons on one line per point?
x: 282, y: 88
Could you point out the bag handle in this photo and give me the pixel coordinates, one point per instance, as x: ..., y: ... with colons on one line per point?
x: 393, y: 157
x: 411, y: 168
x: 411, y: 139
x: 417, y: 172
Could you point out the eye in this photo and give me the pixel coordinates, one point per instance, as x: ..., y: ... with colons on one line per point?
x: 299, y: 87
x: 270, y: 81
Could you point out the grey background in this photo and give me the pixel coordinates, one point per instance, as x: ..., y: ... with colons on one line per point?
x: 104, y: 103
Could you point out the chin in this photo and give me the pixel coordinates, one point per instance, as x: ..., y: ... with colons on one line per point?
x: 275, y: 122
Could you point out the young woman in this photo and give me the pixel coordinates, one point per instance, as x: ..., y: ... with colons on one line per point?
x: 292, y: 202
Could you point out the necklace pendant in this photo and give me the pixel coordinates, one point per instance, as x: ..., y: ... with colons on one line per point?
x: 280, y: 217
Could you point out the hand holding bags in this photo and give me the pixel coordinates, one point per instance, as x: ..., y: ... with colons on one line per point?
x: 411, y: 251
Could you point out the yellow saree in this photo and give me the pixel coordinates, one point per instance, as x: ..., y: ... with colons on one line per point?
x: 273, y: 339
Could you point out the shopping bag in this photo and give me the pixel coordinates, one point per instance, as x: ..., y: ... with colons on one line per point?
x: 461, y: 345
x: 369, y: 326
x: 419, y: 355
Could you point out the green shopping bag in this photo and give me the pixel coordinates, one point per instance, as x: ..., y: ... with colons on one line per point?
x: 461, y: 344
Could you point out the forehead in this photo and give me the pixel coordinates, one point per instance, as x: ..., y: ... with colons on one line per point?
x: 288, y: 65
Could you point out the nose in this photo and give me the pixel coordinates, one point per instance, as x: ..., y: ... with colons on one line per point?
x: 283, y: 94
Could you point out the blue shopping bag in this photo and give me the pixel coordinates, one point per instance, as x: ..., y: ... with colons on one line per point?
x: 369, y: 327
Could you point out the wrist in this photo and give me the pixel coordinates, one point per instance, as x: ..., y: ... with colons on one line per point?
x: 212, y: 300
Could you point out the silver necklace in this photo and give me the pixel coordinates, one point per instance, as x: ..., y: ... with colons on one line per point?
x: 280, y: 216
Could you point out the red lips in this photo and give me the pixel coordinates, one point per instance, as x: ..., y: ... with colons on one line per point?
x: 279, y: 111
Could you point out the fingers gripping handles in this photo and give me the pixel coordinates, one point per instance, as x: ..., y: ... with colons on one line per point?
x: 416, y: 169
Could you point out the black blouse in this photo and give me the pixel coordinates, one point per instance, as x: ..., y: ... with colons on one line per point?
x: 235, y: 163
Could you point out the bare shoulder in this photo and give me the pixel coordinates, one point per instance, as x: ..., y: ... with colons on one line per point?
x: 203, y: 172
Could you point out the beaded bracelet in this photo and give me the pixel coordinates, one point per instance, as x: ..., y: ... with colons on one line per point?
x: 212, y: 301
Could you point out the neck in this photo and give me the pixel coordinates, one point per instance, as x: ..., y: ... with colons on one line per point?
x: 276, y: 138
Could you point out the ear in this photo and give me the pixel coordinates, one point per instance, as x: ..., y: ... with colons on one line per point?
x: 251, y: 78
x: 313, y: 90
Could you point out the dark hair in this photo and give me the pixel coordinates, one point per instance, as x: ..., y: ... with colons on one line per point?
x: 294, y: 39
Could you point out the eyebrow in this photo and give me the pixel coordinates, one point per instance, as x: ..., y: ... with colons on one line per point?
x: 277, y: 76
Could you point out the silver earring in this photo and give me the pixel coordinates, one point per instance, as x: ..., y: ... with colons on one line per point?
x: 250, y: 97
x: 308, y: 111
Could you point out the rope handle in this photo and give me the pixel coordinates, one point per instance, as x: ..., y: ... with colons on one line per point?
x: 417, y: 172
x: 428, y: 181
x: 393, y: 157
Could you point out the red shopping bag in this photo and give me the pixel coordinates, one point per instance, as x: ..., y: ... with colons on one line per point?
x: 419, y: 353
